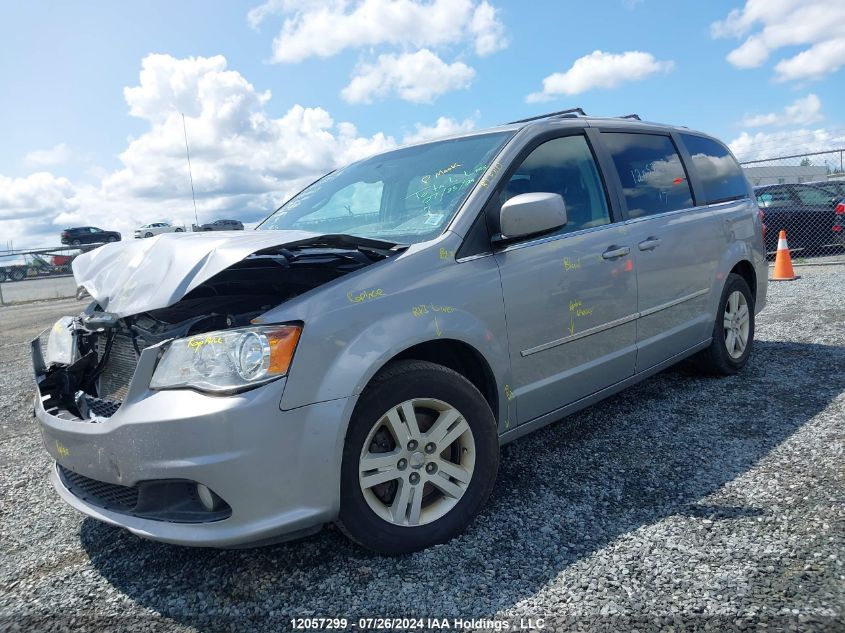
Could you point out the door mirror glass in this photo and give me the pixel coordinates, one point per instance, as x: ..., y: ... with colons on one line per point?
x: 532, y: 213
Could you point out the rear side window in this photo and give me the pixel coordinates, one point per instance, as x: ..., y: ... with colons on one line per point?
x: 774, y: 198
x: 565, y: 166
x: 718, y: 171
x: 814, y: 196
x: 652, y: 175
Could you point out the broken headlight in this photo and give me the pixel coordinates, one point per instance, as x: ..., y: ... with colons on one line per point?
x: 61, y: 344
x: 227, y: 360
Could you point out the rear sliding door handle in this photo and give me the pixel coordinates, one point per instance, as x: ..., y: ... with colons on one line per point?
x: 616, y: 251
x: 650, y: 244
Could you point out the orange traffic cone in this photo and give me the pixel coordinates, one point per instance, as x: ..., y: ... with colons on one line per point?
x: 783, y: 262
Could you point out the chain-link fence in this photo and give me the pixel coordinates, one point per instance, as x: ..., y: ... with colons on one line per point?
x: 804, y: 195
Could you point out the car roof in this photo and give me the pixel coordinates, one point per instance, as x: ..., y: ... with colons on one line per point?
x: 572, y: 117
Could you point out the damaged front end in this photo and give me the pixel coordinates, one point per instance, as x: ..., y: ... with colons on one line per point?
x: 209, y: 339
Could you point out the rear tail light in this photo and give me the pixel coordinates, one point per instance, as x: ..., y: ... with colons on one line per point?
x: 762, y: 215
x: 840, y: 208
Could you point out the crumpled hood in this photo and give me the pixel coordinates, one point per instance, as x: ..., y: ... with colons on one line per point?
x: 126, y: 278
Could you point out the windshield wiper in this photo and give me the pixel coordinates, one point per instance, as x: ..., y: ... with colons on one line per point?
x: 344, y: 240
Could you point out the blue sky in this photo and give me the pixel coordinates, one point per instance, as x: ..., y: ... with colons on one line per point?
x: 73, y: 153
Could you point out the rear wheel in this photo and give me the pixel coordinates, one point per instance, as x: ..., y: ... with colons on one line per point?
x: 733, y: 332
x: 75, y: 242
x: 112, y: 238
x: 420, y: 459
x: 18, y: 274
x: 2, y: 276
x: 180, y: 230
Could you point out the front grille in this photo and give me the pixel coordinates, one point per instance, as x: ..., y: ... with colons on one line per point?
x: 100, y: 493
x: 101, y: 407
x: 118, y: 370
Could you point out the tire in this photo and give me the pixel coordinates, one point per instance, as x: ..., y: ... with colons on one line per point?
x: 719, y: 359
x: 378, y: 519
x: 18, y: 274
x: 75, y: 243
x: 111, y: 238
x: 148, y: 234
x: 2, y: 276
x: 180, y: 230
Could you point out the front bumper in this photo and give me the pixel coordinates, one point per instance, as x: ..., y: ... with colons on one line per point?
x: 278, y: 470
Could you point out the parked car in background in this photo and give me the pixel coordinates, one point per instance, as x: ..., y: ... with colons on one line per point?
x: 223, y: 225
x: 362, y: 355
x: 807, y: 213
x: 88, y: 235
x: 157, y: 228
x: 835, y: 187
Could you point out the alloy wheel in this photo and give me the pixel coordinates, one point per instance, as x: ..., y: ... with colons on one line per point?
x: 417, y: 462
x: 737, y: 323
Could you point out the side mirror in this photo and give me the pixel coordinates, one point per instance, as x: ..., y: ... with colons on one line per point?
x: 531, y: 213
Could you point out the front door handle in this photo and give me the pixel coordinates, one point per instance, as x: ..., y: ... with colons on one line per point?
x: 616, y: 251
x: 650, y: 244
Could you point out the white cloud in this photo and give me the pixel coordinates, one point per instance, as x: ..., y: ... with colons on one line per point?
x: 258, y: 14
x: 29, y: 205
x: 600, y: 70
x: 488, y: 30
x: 801, y: 112
x: 763, y: 145
x: 324, y: 29
x: 56, y: 155
x: 813, y: 63
x: 816, y: 24
x: 245, y: 161
x: 418, y: 77
x: 444, y: 126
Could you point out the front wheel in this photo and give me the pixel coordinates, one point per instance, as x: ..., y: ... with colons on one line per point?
x: 180, y: 230
x: 733, y: 332
x: 420, y: 459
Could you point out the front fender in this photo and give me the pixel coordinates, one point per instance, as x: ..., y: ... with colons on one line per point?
x: 354, y: 327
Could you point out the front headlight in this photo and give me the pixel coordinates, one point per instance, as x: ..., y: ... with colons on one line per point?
x: 227, y: 360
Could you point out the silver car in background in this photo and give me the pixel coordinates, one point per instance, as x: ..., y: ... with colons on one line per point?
x: 361, y: 357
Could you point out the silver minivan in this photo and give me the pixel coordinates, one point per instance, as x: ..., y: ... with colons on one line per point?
x: 361, y: 356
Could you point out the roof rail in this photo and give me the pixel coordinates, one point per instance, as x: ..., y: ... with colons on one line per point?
x: 631, y: 116
x: 571, y: 112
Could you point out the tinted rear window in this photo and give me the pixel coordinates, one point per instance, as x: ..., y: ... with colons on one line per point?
x: 718, y: 171
x: 652, y: 175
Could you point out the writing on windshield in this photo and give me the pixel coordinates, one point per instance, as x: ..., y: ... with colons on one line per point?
x: 407, y: 195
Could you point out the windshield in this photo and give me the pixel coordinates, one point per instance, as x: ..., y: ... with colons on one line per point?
x: 404, y: 196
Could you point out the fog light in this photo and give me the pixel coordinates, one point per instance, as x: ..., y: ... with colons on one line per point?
x: 208, y: 499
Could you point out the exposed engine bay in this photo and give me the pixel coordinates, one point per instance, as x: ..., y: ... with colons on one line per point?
x: 105, y: 348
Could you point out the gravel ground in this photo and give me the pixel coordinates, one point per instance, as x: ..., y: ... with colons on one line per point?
x: 685, y: 502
